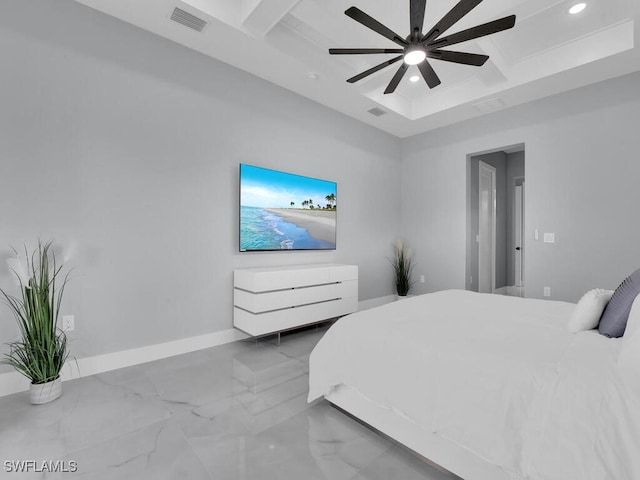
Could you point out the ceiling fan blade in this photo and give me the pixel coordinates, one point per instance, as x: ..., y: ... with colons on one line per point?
x: 429, y: 74
x: 370, y: 22
x: 455, y: 14
x: 475, y: 32
x: 393, y: 84
x: 474, y: 59
x: 417, y: 8
x: 362, y: 51
x: 366, y: 73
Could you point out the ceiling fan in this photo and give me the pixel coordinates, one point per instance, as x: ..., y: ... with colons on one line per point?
x: 418, y: 47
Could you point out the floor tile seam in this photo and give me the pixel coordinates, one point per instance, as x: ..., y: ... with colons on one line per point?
x: 161, y: 424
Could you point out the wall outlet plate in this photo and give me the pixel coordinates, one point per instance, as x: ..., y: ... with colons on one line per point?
x: 68, y: 323
x: 547, y: 291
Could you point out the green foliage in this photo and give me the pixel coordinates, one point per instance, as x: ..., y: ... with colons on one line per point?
x: 42, y: 351
x: 331, y: 198
x: 309, y: 203
x: 402, y: 267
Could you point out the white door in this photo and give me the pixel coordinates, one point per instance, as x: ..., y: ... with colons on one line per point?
x: 487, y: 229
x: 519, y: 235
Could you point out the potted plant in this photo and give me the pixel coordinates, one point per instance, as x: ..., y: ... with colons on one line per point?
x: 41, y: 351
x: 402, y: 268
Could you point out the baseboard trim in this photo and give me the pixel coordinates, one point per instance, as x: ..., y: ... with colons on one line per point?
x: 13, y: 382
x: 512, y: 291
x: 375, y: 302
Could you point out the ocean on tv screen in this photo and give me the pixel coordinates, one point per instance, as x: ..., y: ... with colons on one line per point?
x: 272, y: 229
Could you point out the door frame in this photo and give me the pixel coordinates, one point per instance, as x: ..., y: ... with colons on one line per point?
x: 492, y: 173
x: 519, y: 199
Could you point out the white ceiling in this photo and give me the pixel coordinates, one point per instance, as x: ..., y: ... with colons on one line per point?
x: 284, y: 41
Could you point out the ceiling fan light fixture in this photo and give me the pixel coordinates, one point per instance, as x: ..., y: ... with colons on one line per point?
x: 415, y: 48
x: 577, y: 8
x: 414, y: 56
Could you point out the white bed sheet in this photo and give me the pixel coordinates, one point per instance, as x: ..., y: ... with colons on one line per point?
x: 498, y: 376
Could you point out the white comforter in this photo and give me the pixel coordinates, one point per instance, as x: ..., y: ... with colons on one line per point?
x: 498, y: 376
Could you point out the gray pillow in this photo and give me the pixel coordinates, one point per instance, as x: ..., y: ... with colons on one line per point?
x: 614, y: 318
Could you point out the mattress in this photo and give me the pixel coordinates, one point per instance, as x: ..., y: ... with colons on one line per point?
x: 498, y: 376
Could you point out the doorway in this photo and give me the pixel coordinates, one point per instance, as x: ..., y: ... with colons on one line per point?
x: 496, y: 223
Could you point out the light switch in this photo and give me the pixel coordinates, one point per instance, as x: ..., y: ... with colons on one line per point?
x: 549, y: 238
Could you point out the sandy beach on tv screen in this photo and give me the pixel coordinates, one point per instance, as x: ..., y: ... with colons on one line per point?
x: 320, y: 223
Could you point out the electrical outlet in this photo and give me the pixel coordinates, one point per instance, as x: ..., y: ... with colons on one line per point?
x: 547, y: 291
x: 421, y: 278
x: 68, y: 323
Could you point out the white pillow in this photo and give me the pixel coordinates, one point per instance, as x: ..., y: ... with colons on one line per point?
x: 586, y: 315
x: 630, y: 351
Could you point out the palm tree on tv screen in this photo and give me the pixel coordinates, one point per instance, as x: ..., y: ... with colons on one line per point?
x: 331, y: 198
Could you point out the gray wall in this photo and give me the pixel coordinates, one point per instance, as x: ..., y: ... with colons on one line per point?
x: 124, y: 148
x: 582, y: 172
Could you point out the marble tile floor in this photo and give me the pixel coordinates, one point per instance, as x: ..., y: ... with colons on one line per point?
x: 237, y: 411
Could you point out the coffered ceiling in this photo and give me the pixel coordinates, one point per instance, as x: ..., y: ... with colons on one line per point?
x: 286, y: 42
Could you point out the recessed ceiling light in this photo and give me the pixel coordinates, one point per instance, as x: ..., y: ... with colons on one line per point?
x: 577, y: 8
x: 414, y: 78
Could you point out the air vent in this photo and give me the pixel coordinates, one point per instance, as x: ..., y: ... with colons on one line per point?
x: 376, y: 112
x: 188, y: 20
x: 490, y: 105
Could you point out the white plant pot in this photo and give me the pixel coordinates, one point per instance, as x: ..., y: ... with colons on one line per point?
x: 45, y: 392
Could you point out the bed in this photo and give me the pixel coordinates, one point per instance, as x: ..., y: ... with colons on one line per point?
x: 488, y: 387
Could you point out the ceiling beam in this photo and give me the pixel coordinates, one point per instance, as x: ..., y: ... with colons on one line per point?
x: 260, y: 16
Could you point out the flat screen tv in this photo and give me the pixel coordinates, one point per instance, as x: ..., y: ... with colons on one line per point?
x: 283, y: 211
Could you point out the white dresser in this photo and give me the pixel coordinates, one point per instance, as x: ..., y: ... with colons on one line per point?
x: 269, y: 300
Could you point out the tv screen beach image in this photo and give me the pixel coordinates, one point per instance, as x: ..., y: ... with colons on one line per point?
x: 283, y: 211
